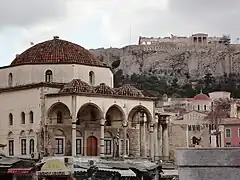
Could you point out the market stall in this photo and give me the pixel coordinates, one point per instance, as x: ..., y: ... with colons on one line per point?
x: 54, y: 170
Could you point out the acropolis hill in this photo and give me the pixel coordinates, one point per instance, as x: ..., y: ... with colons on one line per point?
x: 197, y: 55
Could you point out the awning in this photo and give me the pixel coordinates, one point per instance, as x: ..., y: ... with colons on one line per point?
x: 123, y: 172
x: 53, y: 173
x: 80, y: 170
x: 169, y: 172
x: 19, y: 170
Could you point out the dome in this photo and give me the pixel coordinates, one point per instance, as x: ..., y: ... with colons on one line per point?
x: 104, y: 89
x: 201, y: 96
x: 128, y: 90
x: 56, y: 51
x: 77, y: 86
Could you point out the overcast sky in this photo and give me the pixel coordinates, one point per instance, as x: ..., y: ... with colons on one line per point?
x: 105, y: 23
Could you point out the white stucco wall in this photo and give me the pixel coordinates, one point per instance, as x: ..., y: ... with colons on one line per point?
x: 62, y: 73
x: 16, y: 103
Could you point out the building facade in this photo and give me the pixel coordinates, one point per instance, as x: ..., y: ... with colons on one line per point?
x: 58, y: 99
x: 181, y: 41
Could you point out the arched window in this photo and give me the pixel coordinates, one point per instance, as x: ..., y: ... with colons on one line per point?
x: 10, y: 79
x: 205, y: 107
x: 10, y: 119
x: 23, y: 118
x: 48, y: 76
x: 31, y: 146
x: 198, y: 107
x: 59, y: 117
x: 91, y: 78
x: 31, y: 117
x: 23, y: 147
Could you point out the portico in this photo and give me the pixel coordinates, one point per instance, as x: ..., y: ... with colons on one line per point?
x: 80, y: 125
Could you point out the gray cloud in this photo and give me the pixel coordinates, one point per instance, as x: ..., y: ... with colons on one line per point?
x: 213, y: 16
x: 29, y: 12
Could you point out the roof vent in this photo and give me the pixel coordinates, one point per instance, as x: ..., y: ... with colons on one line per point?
x: 55, y: 37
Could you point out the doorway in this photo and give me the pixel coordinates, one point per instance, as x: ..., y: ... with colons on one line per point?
x: 92, y: 146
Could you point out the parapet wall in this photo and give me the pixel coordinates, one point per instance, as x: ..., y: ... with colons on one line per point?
x: 208, y: 163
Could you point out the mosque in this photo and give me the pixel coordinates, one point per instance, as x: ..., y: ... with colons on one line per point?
x: 57, y: 99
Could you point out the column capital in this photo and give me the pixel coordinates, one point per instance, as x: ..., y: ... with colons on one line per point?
x: 156, y: 118
x: 124, y: 123
x: 102, y: 121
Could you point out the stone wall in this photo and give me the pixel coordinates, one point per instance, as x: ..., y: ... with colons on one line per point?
x: 208, y: 163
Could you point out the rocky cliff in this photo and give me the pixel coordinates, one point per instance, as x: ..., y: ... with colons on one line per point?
x: 170, y: 61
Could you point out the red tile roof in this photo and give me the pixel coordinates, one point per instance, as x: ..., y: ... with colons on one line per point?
x: 201, y: 96
x: 56, y: 51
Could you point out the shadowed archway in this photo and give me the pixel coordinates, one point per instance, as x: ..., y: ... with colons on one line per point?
x: 114, y: 116
x: 89, y: 115
x: 59, y: 113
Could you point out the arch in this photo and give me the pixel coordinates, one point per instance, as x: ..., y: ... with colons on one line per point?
x: 10, y: 134
x: 10, y: 119
x: 23, y: 119
x: 115, y: 116
x: 91, y: 78
x: 59, y: 132
x: 89, y: 112
x: 31, y: 118
x: 108, y: 134
x: 22, y: 133
x: 135, y: 112
x: 78, y: 133
x: 58, y: 113
x: 10, y: 79
x: 31, y: 132
x: 48, y: 76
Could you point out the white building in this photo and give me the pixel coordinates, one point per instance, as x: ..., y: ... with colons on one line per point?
x: 57, y: 99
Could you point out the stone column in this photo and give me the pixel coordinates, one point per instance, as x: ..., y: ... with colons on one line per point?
x: 102, y: 122
x: 124, y: 124
x: 221, y: 129
x: 151, y: 141
x: 74, y: 123
x: 165, y: 141
x: 143, y: 146
x: 160, y: 139
x: 156, y: 147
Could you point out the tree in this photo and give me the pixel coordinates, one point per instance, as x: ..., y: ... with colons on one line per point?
x: 220, y: 110
x: 208, y: 81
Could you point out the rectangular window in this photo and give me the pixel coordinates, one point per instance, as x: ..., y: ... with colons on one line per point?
x: 189, y: 127
x: 198, y: 127
x: 79, y: 146
x: 31, y: 146
x: 122, y: 147
x: 228, y: 144
x: 23, y: 146
x: 59, y: 146
x: 107, y: 146
x: 228, y: 133
x: 193, y: 127
x: 11, y: 147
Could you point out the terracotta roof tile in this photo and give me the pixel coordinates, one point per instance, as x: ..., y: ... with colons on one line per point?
x: 77, y: 86
x: 128, y: 90
x: 56, y: 51
x: 104, y: 89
